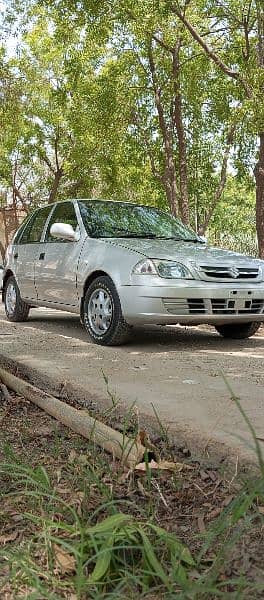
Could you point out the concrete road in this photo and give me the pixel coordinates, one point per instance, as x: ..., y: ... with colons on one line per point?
x: 176, y: 369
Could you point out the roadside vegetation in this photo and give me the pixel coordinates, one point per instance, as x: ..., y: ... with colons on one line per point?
x: 75, y: 524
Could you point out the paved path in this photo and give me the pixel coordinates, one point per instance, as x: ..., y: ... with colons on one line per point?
x: 177, y: 369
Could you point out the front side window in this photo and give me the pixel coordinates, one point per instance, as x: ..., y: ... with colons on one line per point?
x: 65, y: 213
x: 116, y: 219
x: 32, y: 232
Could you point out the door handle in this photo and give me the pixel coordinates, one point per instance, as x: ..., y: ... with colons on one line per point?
x: 42, y: 256
x: 16, y: 255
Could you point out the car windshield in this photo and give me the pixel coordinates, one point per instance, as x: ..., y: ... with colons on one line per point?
x: 116, y: 219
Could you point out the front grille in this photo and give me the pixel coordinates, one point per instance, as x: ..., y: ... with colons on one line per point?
x: 229, y: 272
x: 221, y: 306
x: 225, y: 306
x: 196, y: 306
x: 213, y: 306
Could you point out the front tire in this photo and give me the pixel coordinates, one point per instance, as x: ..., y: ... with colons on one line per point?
x: 239, y: 331
x: 102, y: 313
x: 16, y: 310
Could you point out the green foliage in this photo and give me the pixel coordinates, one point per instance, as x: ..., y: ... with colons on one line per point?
x: 81, y: 96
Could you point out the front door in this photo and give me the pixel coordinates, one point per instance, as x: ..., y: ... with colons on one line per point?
x: 26, y: 252
x: 56, y: 267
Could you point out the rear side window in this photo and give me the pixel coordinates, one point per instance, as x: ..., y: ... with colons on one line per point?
x: 19, y: 232
x: 64, y: 212
x: 33, y: 230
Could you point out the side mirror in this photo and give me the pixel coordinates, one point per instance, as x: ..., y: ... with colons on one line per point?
x: 203, y: 238
x: 63, y: 231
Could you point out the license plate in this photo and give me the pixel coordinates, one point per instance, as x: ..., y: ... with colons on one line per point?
x: 244, y: 294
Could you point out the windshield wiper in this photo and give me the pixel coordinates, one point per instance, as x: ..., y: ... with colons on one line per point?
x: 124, y: 234
x: 195, y: 240
x: 132, y: 234
x: 146, y: 234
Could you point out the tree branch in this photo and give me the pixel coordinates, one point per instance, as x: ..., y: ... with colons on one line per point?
x: 56, y: 150
x: 222, y: 180
x: 46, y: 160
x: 142, y: 132
x: 211, y: 53
x: 162, y: 43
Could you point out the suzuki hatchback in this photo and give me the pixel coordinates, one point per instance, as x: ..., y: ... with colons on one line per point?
x: 118, y: 265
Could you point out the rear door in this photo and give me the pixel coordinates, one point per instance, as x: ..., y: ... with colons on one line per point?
x: 55, y: 273
x: 26, y: 251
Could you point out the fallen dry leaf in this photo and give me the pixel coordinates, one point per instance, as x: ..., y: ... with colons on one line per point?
x: 43, y: 431
x: 227, y: 500
x: 201, y: 525
x: 64, y: 562
x: 77, y: 500
x: 261, y: 510
x: 62, y: 489
x: 214, y: 513
x: 142, y: 489
x: 213, y: 476
x: 4, y: 539
x: 144, y: 439
x: 72, y: 457
x: 163, y: 465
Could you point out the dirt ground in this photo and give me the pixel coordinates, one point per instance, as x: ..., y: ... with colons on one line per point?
x: 173, y: 371
x: 189, y: 504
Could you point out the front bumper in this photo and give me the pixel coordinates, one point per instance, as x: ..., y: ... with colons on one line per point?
x: 191, y: 302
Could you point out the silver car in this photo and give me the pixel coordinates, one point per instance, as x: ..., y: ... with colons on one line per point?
x: 118, y: 265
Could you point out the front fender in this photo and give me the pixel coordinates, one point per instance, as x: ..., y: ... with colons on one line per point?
x: 106, y: 257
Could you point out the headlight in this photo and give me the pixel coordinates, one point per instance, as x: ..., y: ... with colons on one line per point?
x: 172, y: 270
x: 164, y: 268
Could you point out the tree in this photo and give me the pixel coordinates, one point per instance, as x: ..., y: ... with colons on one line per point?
x: 243, y: 26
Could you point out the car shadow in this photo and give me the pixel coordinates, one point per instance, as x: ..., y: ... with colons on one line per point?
x: 150, y: 339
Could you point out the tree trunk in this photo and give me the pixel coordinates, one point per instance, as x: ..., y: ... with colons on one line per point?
x: 170, y: 184
x: 169, y: 177
x: 259, y: 176
x: 178, y: 120
x: 55, y: 186
x: 222, y: 182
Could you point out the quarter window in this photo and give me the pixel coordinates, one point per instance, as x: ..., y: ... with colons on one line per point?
x: 18, y: 233
x: 33, y: 229
x: 64, y: 212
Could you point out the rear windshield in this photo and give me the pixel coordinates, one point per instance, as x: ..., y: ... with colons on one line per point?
x: 116, y: 219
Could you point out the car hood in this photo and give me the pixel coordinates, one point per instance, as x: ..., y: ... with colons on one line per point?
x: 185, y: 252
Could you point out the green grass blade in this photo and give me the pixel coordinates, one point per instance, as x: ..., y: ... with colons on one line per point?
x: 103, y: 561
x: 154, y: 563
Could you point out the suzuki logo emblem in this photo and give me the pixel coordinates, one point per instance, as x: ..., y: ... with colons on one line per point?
x: 234, y: 272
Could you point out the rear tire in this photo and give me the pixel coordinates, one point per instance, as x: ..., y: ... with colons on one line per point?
x: 102, y: 314
x: 16, y: 310
x: 239, y: 331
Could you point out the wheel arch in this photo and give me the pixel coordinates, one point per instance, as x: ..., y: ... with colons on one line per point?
x: 88, y: 281
x: 8, y: 273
